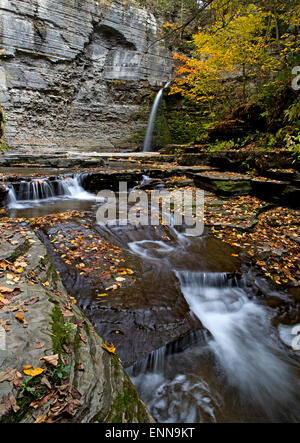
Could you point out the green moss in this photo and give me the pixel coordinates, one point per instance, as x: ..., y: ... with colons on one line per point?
x: 116, y: 365
x: 24, y: 410
x: 223, y: 146
x: 127, y: 405
x: 32, y: 390
x: 163, y: 137
x: 3, y: 145
x: 59, y: 336
x: 20, y: 250
x: 2, y: 122
x: 188, y: 121
x: 39, y: 26
x: 233, y: 186
x: 52, y: 275
x: 138, y: 137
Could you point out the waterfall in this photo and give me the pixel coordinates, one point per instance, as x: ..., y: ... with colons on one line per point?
x: 149, y: 134
x: 27, y: 192
x: 239, y: 369
x: 241, y: 338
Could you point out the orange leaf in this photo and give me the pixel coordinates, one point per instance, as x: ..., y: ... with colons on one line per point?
x: 33, y: 372
x: 109, y: 347
x: 20, y: 317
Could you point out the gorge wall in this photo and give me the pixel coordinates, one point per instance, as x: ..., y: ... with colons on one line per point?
x: 78, y: 75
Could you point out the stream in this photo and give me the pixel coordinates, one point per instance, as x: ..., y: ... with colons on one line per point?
x: 214, y: 348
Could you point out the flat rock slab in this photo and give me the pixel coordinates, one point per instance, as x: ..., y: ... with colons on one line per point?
x: 43, y: 327
x: 226, y: 183
x: 268, y: 188
x: 191, y: 170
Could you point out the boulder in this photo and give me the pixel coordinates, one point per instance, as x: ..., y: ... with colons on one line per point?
x: 88, y: 382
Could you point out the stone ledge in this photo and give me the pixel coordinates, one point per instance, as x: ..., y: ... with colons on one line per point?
x: 107, y: 394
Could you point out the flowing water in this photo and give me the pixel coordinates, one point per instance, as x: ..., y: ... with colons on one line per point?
x: 44, y: 191
x: 241, y: 372
x: 151, y: 122
x: 239, y: 366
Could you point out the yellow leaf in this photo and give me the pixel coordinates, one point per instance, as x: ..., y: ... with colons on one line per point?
x: 28, y: 367
x: 235, y: 255
x: 109, y: 347
x: 33, y: 372
x: 102, y: 295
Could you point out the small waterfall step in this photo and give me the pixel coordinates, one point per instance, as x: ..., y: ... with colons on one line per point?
x: 155, y: 361
x: 43, y: 189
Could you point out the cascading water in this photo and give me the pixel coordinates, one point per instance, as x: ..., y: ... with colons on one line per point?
x: 243, y: 353
x: 146, y: 180
x: 149, y: 134
x: 237, y: 368
x: 26, y: 193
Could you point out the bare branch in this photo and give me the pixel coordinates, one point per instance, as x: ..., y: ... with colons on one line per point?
x: 184, y: 25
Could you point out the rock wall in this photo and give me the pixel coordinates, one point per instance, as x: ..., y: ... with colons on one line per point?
x: 75, y: 75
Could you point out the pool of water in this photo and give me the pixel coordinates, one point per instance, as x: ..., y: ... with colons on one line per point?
x: 236, y: 362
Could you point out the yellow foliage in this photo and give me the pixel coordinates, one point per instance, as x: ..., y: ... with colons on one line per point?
x: 238, y: 42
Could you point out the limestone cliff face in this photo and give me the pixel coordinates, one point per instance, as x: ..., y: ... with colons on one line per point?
x: 75, y: 74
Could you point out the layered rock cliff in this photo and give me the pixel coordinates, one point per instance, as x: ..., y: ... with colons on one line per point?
x: 75, y: 75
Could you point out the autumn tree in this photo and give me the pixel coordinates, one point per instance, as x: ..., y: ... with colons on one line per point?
x: 242, y: 41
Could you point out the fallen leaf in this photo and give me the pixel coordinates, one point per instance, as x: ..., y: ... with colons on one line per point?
x: 5, y: 405
x: 82, y: 338
x: 39, y: 345
x: 20, y: 317
x: 32, y: 301
x: 33, y: 372
x: 8, y: 374
x: 109, y: 347
x: 6, y: 290
x: 28, y: 367
x: 66, y: 313
x: 41, y: 419
x: 45, y: 382
x: 112, y: 288
x: 51, y: 359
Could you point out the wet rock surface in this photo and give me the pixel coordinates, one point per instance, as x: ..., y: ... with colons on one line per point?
x: 239, y: 160
x: 121, y: 295
x: 39, y: 319
x: 125, y: 279
x: 223, y: 183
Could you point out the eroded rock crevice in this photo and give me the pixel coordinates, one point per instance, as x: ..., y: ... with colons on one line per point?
x: 56, y: 81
